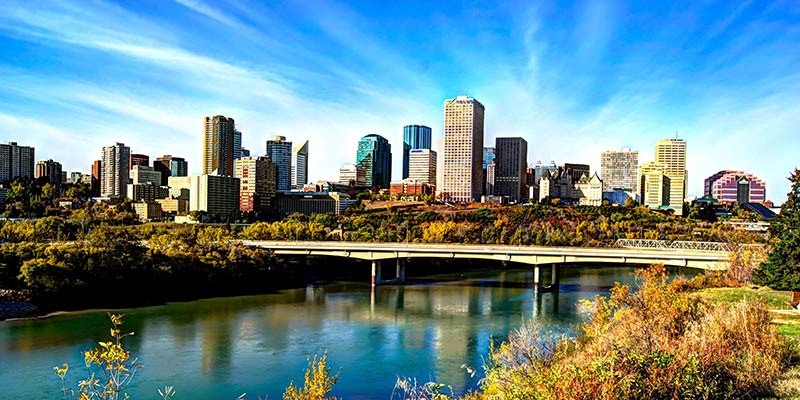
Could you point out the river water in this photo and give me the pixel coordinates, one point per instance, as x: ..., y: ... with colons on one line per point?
x: 221, y: 348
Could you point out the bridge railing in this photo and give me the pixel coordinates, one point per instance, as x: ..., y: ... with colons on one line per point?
x: 674, y: 245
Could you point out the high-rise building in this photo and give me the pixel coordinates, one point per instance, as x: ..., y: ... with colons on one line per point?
x: 672, y: 154
x: 488, y: 177
x: 463, y: 149
x: 488, y: 156
x: 257, y: 183
x: 375, y: 155
x: 97, y: 172
x: 218, y: 145
x: 279, y: 152
x: 511, y: 162
x: 216, y: 195
x: 414, y: 137
x: 16, y: 161
x: 115, y: 170
x: 142, y: 174
x: 422, y: 166
x: 353, y: 175
x: 439, y: 167
x: 237, y: 144
x: 49, y: 169
x: 139, y: 159
x: 300, y: 165
x: 654, y: 185
x: 735, y: 187
x: 619, y: 169
x: 170, y: 166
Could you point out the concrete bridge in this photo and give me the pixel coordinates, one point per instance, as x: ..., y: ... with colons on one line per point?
x: 536, y: 256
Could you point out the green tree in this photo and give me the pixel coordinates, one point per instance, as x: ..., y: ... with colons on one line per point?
x: 782, y: 269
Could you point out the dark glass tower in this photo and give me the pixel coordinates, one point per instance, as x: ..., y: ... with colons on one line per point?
x: 375, y: 155
x: 414, y: 137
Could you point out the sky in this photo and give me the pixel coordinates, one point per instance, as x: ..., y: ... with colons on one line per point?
x: 572, y: 78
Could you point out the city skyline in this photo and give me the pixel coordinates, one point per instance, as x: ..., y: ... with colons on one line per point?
x: 721, y: 74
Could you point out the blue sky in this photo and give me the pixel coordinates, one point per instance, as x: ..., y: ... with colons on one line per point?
x: 573, y: 78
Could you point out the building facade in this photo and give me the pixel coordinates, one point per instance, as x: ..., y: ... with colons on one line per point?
x: 142, y: 174
x: 49, y: 169
x: 257, y: 183
x: 237, y: 144
x: 279, y: 151
x: 218, y: 145
x: 16, y: 161
x: 620, y: 170
x: 654, y: 185
x: 422, y: 166
x: 735, y: 187
x: 672, y: 154
x: 215, y: 195
x: 309, y: 203
x: 375, y: 156
x: 353, y: 175
x: 510, y: 172
x: 300, y: 165
x: 139, y: 159
x: 414, y: 137
x: 115, y: 171
x: 590, y: 190
x: 97, y: 172
x: 462, y: 170
x: 168, y: 166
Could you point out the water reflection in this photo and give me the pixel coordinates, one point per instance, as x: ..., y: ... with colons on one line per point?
x: 220, y: 348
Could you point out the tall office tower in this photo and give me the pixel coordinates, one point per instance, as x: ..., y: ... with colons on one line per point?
x: 414, y: 137
x: 511, y: 163
x: 654, y: 185
x: 257, y: 185
x: 49, y: 169
x: 237, y: 144
x: 300, y: 165
x: 353, y: 175
x: 170, y: 166
x: 279, y: 152
x: 97, y: 172
x: 144, y: 175
x: 491, y: 175
x: 672, y: 153
x: 735, y: 187
x: 216, y: 195
x: 245, y: 152
x: 439, y: 167
x: 488, y: 178
x: 422, y: 166
x: 218, y: 146
x: 114, y: 174
x: 489, y: 154
x: 619, y: 169
x: 463, y: 149
x: 139, y: 159
x: 16, y: 161
x: 375, y: 155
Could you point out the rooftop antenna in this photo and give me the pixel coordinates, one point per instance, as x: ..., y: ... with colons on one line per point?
x: 676, y: 135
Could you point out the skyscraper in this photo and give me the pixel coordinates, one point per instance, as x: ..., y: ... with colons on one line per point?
x: 49, y: 169
x: 218, y: 146
x: 257, y: 183
x: 488, y: 170
x: 511, y: 162
x: 170, y: 166
x: 654, y: 185
x: 115, y: 170
x: 237, y: 144
x: 619, y: 169
x: 422, y: 166
x: 463, y: 149
x: 97, y: 173
x: 375, y: 155
x: 279, y: 152
x: 488, y: 156
x: 139, y: 159
x: 16, y: 161
x: 414, y: 137
x: 300, y: 165
x: 672, y: 154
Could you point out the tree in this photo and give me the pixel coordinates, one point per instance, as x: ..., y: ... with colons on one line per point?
x: 782, y: 269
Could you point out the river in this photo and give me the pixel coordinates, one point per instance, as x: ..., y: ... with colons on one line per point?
x: 221, y: 348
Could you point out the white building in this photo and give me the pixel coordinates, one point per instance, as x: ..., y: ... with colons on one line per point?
x: 462, y: 170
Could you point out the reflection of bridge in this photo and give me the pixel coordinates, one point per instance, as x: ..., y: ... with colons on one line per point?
x: 537, y: 256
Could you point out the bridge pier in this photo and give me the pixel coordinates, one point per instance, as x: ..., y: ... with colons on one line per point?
x: 376, y: 272
x: 400, y: 273
x: 555, y: 277
x: 536, y: 279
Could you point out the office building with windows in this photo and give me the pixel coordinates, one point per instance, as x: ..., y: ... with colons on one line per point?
x: 619, y: 169
x: 414, y: 137
x: 218, y: 146
x: 115, y: 171
x: 16, y: 161
x: 462, y: 170
x: 279, y: 151
x: 510, y: 171
x: 375, y: 156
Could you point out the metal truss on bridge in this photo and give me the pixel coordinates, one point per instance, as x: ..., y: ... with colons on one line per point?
x: 674, y: 245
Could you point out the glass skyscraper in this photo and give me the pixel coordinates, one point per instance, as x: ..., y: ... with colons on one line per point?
x: 279, y: 152
x: 375, y: 155
x: 414, y: 137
